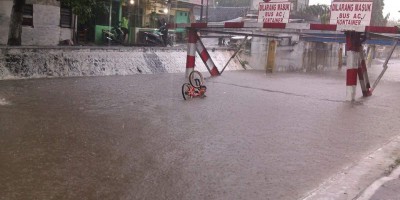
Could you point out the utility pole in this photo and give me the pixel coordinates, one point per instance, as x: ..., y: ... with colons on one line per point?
x: 201, y: 11
x: 207, y: 12
x: 109, y: 20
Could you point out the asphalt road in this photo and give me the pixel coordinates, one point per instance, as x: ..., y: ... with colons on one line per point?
x: 254, y: 136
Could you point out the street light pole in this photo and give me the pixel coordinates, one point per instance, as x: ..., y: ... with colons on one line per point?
x: 109, y: 20
x: 207, y: 12
x: 201, y: 11
x: 130, y: 8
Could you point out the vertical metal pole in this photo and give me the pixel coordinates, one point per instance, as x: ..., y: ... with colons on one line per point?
x: 138, y: 14
x: 169, y: 11
x: 109, y: 21
x: 207, y: 12
x: 201, y: 11
x: 340, y: 64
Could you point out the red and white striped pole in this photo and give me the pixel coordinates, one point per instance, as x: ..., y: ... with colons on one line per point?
x: 353, y: 47
x: 191, y: 54
x: 206, y: 58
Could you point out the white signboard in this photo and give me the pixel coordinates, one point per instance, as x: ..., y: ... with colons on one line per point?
x: 348, y: 15
x: 274, y: 12
x: 256, y: 3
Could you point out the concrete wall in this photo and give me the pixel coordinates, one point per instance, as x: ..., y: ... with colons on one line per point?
x: 319, y: 56
x: 382, y: 52
x: 258, y: 53
x: 300, y: 56
x: 5, y: 16
x: 34, y: 62
x: 289, y: 58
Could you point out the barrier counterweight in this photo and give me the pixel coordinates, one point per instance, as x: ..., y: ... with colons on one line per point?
x: 363, y: 77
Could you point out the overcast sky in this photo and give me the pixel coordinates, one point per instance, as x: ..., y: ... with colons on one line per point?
x: 391, y: 6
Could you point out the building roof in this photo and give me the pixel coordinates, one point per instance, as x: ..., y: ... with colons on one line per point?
x: 220, y: 14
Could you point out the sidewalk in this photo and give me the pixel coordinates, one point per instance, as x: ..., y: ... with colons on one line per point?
x: 376, y: 176
x: 388, y: 191
x: 386, y: 188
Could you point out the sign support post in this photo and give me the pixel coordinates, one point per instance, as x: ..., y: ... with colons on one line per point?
x: 352, y: 17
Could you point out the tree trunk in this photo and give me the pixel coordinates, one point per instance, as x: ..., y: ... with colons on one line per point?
x: 14, y: 35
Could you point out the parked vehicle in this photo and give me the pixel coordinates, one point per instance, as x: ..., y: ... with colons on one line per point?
x: 160, y: 37
x: 115, y: 35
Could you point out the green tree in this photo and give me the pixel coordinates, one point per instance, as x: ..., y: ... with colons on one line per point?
x: 377, y: 18
x: 319, y: 11
x: 232, y: 3
x: 86, y: 9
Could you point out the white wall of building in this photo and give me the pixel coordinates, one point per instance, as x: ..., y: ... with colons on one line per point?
x: 46, y: 30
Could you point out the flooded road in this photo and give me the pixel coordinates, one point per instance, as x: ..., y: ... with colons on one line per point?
x: 254, y: 136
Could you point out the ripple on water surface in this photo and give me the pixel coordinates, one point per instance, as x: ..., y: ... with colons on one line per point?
x: 4, y: 102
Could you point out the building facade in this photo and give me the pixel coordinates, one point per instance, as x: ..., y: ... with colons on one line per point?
x: 45, y: 23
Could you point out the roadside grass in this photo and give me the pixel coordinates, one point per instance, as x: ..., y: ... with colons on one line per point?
x: 392, y: 167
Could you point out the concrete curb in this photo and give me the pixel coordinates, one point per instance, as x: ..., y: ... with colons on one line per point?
x: 371, y: 190
x: 352, y: 181
x: 22, y: 63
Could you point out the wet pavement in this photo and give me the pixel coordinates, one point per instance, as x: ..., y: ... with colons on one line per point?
x: 389, y: 191
x: 254, y: 136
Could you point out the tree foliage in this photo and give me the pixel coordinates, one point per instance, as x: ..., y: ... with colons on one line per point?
x: 232, y: 3
x: 319, y: 11
x: 377, y: 14
x: 86, y: 9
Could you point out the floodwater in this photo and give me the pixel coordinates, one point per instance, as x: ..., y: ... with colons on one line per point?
x: 254, y: 136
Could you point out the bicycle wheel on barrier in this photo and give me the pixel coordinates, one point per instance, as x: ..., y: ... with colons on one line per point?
x: 185, y: 91
x: 196, y: 79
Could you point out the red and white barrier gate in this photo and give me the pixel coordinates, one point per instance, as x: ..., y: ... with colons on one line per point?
x: 354, y: 39
x: 356, y: 65
x: 195, y: 44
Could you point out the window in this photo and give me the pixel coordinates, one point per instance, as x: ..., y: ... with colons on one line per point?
x: 27, y: 13
x: 65, y: 17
